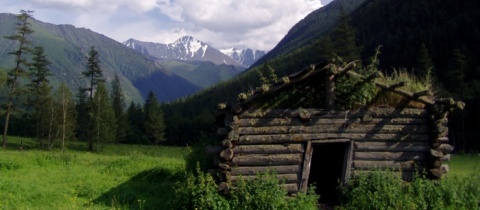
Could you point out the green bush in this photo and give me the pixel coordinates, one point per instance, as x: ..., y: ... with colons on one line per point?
x: 384, y: 190
x: 200, y: 192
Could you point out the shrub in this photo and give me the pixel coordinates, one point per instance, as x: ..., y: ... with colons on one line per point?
x: 384, y: 190
x: 200, y: 192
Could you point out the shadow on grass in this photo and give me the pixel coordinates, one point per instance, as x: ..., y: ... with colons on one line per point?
x: 150, y: 189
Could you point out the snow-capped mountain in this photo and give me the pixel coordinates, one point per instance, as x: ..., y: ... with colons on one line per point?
x: 245, y: 57
x: 186, y: 48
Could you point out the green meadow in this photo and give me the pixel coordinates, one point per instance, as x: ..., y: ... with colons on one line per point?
x: 118, y: 177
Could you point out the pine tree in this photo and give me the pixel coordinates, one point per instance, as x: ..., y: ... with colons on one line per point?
x: 118, y: 104
x: 424, y: 62
x: 83, y: 129
x: 103, y: 117
x: 93, y: 71
x: 154, y: 122
x: 344, y: 45
x: 66, y: 114
x: 135, y: 130
x: 38, y: 84
x: 18, y: 72
x: 94, y: 75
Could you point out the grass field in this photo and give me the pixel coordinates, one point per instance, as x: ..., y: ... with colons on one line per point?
x: 119, y: 177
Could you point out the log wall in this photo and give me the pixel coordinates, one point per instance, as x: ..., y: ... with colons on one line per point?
x: 404, y: 140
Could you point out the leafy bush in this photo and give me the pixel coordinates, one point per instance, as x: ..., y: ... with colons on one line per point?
x: 384, y: 190
x: 200, y: 192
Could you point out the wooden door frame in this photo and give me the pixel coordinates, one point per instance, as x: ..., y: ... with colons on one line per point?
x: 307, y: 160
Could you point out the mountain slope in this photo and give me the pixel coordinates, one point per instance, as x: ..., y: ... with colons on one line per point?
x: 245, y: 57
x: 186, y: 48
x: 67, y: 46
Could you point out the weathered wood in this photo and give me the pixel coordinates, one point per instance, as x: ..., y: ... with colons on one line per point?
x: 304, y: 115
x: 283, y: 178
x: 355, y: 128
x: 291, y: 188
x: 307, y: 161
x: 445, y: 168
x: 389, y: 156
x: 267, y: 160
x: 227, y: 143
x: 392, y: 146
x: 375, y: 112
x: 436, y: 153
x: 317, y: 120
x: 446, y: 157
x: 326, y: 141
x: 443, y: 139
x: 445, y: 148
x: 405, y: 175
x: 292, y: 138
x: 227, y: 154
x: 253, y: 170
x: 223, y: 187
x: 269, y: 149
x: 390, y: 165
x: 330, y: 92
x: 224, y: 166
x: 436, y: 172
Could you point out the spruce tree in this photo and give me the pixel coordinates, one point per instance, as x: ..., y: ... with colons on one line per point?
x: 424, y: 62
x: 118, y: 104
x: 18, y: 72
x: 94, y: 75
x: 103, y: 117
x: 344, y: 44
x: 154, y: 122
x: 38, y: 73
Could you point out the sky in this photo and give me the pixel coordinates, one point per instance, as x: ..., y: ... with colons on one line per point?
x: 220, y: 23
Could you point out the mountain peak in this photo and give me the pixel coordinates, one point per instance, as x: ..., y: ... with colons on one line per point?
x: 246, y: 57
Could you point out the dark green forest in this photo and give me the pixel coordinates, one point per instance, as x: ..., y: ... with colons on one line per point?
x: 442, y: 37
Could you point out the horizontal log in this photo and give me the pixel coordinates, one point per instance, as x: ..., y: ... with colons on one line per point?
x: 269, y: 149
x: 410, y: 165
x: 436, y: 172
x: 443, y: 139
x: 283, y: 178
x: 290, y: 188
x: 445, y: 168
x: 292, y: 138
x: 389, y: 156
x: 445, y: 148
x: 375, y: 112
x: 436, y: 153
x: 319, y: 120
x: 224, y: 166
x: 353, y: 128
x: 227, y: 154
x: 405, y: 175
x: 392, y: 146
x: 267, y: 160
x: 446, y: 158
x: 252, y: 170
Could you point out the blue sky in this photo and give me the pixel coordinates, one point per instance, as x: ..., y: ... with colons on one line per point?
x: 220, y: 23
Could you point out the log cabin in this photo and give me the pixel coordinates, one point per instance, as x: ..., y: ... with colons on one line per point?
x: 295, y: 129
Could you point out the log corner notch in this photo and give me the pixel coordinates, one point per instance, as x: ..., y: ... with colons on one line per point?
x: 440, y: 148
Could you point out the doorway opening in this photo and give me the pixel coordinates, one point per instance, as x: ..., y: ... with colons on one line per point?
x: 329, y: 167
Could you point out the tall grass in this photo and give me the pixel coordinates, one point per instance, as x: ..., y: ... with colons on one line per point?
x: 121, y: 177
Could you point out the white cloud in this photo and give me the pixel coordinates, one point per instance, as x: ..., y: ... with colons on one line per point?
x: 222, y: 23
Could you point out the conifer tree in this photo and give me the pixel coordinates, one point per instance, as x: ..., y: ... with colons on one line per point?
x: 83, y: 129
x: 424, y: 62
x: 66, y: 112
x: 344, y: 44
x: 41, y: 101
x: 154, y: 122
x: 103, y: 116
x: 18, y: 72
x: 94, y: 75
x: 44, y: 113
x: 118, y: 104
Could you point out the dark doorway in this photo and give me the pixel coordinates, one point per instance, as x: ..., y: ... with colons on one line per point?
x: 328, y: 168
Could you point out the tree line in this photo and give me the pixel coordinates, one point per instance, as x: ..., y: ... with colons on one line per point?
x: 97, y: 114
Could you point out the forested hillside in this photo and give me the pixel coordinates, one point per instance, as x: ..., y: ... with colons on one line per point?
x: 443, y: 36
x: 66, y: 47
